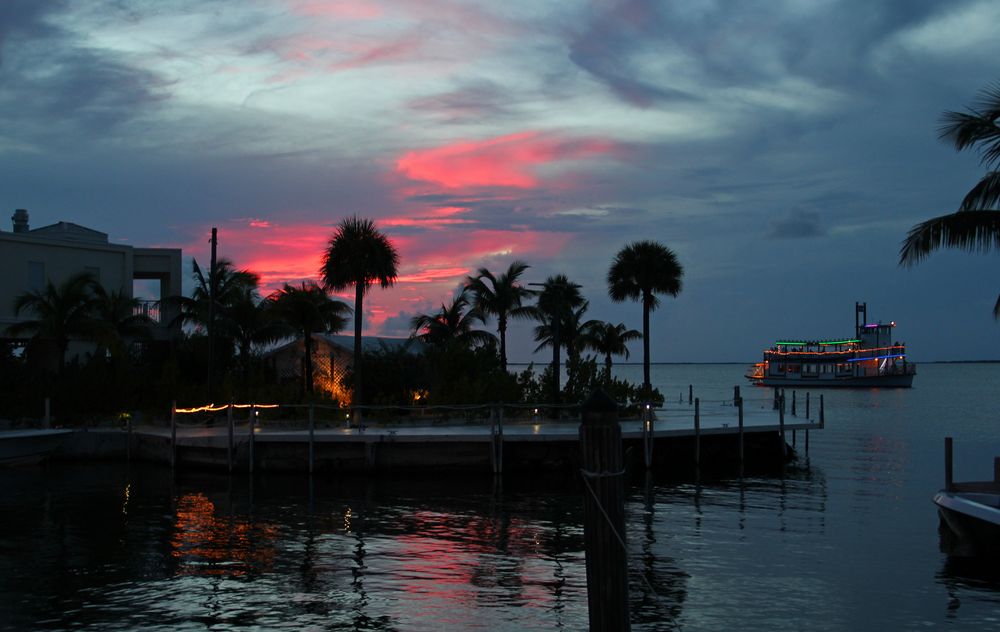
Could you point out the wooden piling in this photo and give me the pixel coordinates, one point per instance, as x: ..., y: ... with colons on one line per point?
x: 47, y: 418
x: 996, y: 469
x: 739, y: 404
x: 781, y: 424
x: 229, y: 444
x: 736, y: 394
x: 822, y: 415
x: 647, y: 436
x: 253, y: 438
x: 312, y: 438
x: 793, y: 405
x: 690, y: 393
x: 697, y: 432
x: 949, y: 481
x: 128, y: 438
x: 807, y: 406
x: 604, y: 514
x: 173, y: 434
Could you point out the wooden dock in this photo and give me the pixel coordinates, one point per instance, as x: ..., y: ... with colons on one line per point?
x: 719, y: 434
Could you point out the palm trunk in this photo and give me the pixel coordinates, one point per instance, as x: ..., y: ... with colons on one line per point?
x: 556, y: 346
x: 646, y: 297
x: 502, y: 330
x: 359, y: 295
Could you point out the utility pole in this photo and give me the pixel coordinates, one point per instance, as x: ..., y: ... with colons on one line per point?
x: 211, y: 312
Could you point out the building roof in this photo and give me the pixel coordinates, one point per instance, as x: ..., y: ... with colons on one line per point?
x: 68, y: 231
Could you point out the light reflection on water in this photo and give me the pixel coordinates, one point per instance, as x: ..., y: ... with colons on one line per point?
x: 846, y: 539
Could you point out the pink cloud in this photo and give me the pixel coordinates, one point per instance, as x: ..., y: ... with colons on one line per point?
x: 505, y: 161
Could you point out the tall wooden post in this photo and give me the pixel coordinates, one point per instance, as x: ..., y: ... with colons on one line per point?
x: 736, y: 394
x: 949, y: 482
x: 647, y: 435
x: 822, y: 413
x: 604, y: 514
x: 173, y: 434
x: 312, y: 438
x: 807, y: 405
x: 229, y: 444
x: 128, y: 438
x: 690, y: 392
x: 697, y: 432
x: 212, y: 282
x: 739, y: 403
x: 253, y: 438
x: 47, y: 419
x: 781, y: 424
x: 793, y: 405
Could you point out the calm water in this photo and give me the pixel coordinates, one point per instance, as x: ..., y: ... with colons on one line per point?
x: 846, y: 540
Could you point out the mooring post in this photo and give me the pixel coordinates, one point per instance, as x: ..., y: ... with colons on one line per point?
x: 173, y: 434
x: 996, y: 469
x: 697, y: 432
x: 647, y: 435
x: 739, y: 404
x: 822, y: 414
x: 229, y: 445
x: 690, y: 393
x: 253, y: 438
x: 604, y: 514
x: 793, y: 405
x: 736, y: 394
x: 47, y: 418
x: 781, y: 425
x: 312, y: 438
x: 949, y: 482
x: 776, y: 394
x: 500, y: 439
x: 128, y: 437
x: 807, y: 407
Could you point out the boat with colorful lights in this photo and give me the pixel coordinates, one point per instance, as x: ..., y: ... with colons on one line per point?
x: 870, y: 359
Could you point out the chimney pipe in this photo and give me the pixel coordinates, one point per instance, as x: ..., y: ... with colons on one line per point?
x: 20, y: 218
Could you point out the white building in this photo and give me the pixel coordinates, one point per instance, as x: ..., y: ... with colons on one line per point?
x: 29, y: 258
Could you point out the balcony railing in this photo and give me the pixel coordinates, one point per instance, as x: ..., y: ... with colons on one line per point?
x: 149, y: 309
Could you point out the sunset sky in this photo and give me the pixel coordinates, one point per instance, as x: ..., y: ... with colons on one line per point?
x: 782, y: 149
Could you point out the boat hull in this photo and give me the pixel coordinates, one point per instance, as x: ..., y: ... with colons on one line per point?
x: 970, y: 523
x: 25, y: 447
x: 873, y: 381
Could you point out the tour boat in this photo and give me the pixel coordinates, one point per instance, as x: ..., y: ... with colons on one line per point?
x: 870, y: 358
x: 23, y: 447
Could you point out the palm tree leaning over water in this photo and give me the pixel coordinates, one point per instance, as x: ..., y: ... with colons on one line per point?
x: 451, y: 324
x: 61, y: 312
x: 306, y: 310
x: 358, y: 254
x: 976, y: 225
x: 639, y: 271
x: 500, y: 296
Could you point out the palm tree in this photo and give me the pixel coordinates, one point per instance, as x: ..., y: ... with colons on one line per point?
x: 639, y: 271
x: 227, y: 284
x: 306, y: 310
x: 119, y: 319
x: 556, y: 302
x: 358, y: 254
x: 610, y: 340
x: 500, y: 296
x: 61, y: 313
x: 451, y: 324
x: 572, y: 335
x: 975, y: 227
x: 248, y: 322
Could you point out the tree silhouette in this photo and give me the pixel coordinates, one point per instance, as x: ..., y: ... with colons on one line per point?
x: 610, y: 340
x: 452, y: 324
x: 500, y: 296
x: 975, y: 227
x: 556, y: 302
x: 640, y: 271
x: 61, y: 313
x: 358, y: 254
x: 305, y: 310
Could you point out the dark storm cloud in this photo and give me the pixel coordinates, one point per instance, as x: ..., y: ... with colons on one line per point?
x: 797, y: 225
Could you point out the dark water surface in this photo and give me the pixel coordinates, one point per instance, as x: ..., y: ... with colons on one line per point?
x: 847, y: 539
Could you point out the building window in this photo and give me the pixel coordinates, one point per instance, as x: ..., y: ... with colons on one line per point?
x: 36, y: 276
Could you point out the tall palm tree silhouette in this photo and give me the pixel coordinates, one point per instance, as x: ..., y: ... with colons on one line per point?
x: 572, y: 336
x: 453, y: 323
x: 500, y: 296
x: 556, y: 302
x: 975, y: 226
x: 640, y: 271
x: 306, y: 310
x: 358, y: 254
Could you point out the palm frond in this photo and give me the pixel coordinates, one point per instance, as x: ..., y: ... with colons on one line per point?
x: 973, y: 231
x: 985, y: 195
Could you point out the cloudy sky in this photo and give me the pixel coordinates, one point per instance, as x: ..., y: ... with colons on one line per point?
x: 781, y: 148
